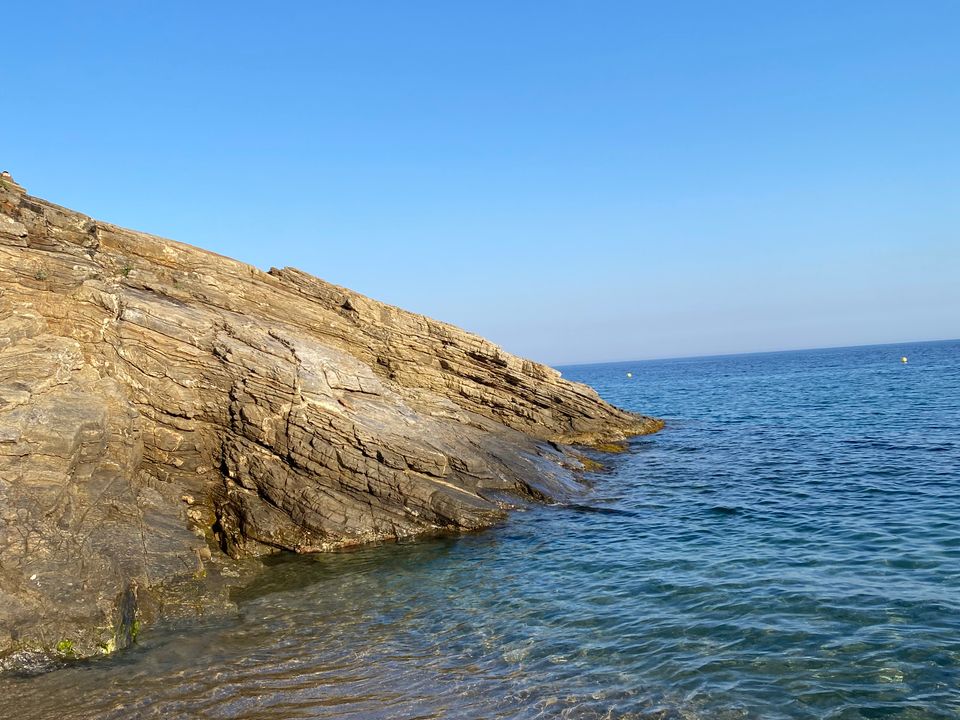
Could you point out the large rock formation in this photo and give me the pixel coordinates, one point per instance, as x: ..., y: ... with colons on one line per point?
x: 163, y: 407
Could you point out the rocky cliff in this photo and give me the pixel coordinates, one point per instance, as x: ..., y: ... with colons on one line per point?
x: 163, y: 408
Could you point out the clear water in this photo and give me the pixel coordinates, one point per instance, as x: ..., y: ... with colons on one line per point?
x: 789, y: 547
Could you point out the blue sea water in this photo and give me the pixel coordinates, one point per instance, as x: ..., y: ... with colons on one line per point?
x: 788, y: 547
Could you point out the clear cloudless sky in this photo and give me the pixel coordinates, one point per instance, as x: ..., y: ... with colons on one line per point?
x: 578, y: 181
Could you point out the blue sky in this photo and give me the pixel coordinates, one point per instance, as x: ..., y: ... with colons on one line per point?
x: 578, y: 181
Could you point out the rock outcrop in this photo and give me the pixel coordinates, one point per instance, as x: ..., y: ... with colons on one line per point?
x: 163, y: 408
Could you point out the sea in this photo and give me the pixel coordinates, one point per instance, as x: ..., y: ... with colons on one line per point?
x: 787, y: 547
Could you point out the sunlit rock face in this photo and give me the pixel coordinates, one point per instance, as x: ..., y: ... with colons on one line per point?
x: 163, y: 408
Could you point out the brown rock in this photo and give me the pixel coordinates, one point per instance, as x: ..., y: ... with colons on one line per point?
x: 157, y: 400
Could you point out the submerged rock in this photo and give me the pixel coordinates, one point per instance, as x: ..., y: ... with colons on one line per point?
x: 164, y: 409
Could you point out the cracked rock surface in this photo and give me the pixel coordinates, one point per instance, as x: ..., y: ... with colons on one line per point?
x: 164, y: 409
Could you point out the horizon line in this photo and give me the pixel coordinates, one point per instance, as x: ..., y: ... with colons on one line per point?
x: 749, y: 352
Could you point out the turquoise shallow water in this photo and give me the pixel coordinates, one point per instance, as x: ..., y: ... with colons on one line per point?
x: 789, y: 547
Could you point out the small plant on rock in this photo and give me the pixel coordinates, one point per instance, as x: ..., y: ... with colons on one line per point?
x: 65, y: 648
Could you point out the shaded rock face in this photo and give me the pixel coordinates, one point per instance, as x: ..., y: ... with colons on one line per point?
x: 162, y: 408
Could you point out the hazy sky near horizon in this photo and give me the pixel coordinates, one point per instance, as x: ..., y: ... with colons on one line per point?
x: 578, y: 181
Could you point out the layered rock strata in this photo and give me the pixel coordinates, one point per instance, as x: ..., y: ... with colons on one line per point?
x: 163, y: 407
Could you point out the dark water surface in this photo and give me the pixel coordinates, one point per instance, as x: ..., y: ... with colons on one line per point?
x: 789, y: 547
